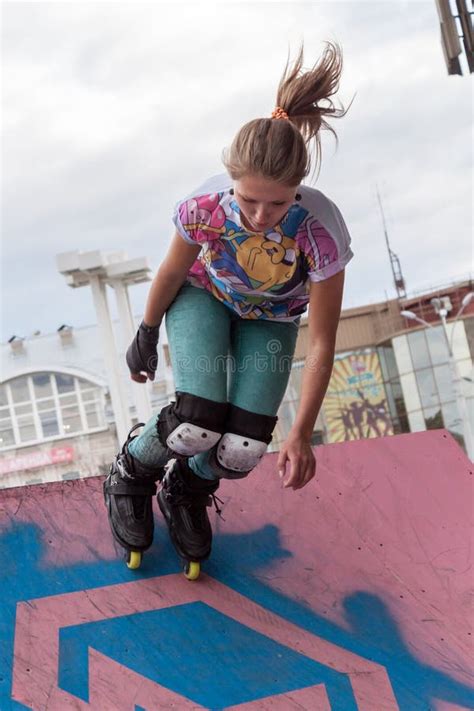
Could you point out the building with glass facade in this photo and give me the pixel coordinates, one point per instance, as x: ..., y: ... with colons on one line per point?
x: 391, y: 374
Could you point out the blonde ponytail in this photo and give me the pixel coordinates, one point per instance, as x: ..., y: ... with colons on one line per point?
x: 279, y: 148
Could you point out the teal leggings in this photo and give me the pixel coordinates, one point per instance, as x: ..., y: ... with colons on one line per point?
x: 220, y: 356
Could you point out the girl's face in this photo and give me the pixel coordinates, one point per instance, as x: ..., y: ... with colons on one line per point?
x: 262, y: 202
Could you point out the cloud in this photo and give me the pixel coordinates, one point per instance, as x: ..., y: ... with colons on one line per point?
x: 112, y: 112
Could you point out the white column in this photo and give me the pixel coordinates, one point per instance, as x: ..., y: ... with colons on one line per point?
x: 118, y: 392
x: 128, y: 328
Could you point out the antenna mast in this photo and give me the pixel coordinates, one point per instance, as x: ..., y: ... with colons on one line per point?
x: 398, y: 279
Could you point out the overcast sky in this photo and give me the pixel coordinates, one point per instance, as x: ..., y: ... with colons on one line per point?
x: 114, y: 111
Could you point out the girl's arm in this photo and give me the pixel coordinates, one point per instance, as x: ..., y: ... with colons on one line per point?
x: 169, y: 278
x: 324, y: 312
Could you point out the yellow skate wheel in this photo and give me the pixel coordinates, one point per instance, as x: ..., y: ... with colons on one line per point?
x: 134, y: 559
x: 192, y: 570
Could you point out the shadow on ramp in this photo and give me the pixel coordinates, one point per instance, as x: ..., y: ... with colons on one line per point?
x: 350, y: 594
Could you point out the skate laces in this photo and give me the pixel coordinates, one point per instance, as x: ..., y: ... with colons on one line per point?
x: 218, y: 510
x: 179, y: 495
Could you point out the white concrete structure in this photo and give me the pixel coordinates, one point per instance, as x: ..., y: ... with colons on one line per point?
x: 56, y: 415
x: 99, y: 270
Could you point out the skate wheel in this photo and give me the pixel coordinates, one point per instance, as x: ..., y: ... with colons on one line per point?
x: 134, y: 558
x: 192, y: 569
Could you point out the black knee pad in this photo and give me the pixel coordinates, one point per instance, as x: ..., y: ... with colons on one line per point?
x: 191, y: 425
x: 244, y: 442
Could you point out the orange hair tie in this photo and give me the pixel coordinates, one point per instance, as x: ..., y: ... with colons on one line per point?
x: 279, y: 113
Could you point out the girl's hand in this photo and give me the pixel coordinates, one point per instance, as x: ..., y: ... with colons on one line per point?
x: 142, y: 355
x: 297, y: 451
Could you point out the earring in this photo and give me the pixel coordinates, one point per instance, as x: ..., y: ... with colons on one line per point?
x: 297, y: 196
x: 231, y: 191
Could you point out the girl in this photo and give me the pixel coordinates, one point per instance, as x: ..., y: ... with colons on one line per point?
x: 253, y: 247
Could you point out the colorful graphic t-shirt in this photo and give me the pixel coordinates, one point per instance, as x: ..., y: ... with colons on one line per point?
x: 262, y: 275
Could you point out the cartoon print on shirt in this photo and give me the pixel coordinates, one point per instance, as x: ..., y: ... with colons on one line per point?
x: 204, y: 213
x: 262, y: 275
x: 268, y: 260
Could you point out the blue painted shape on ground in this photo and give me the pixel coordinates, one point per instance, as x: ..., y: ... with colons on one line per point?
x: 374, y: 633
x: 241, y: 562
x: 234, y: 663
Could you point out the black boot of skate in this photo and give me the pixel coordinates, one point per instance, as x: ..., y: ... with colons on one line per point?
x: 128, y: 493
x: 183, y: 500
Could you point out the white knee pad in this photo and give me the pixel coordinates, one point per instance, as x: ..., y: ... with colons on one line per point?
x: 188, y: 439
x: 240, y: 454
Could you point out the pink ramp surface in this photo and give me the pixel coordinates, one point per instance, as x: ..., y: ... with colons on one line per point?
x: 360, y: 583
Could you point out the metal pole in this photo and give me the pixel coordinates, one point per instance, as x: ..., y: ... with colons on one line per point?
x: 139, y: 390
x: 458, y: 393
x: 117, y: 390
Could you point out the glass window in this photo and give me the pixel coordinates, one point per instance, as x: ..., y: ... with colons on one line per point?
x: 466, y: 372
x: 93, y: 420
x: 398, y: 397
x: 94, y: 415
x: 317, y: 437
x: 417, y: 421
x: 433, y: 418
x: 65, y: 383
x: 410, y: 392
x: 401, y: 425
x: 458, y: 339
x: 427, y: 387
x: 42, y: 385
x: 444, y: 382
x: 286, y: 416
x: 27, y: 429
x: 469, y: 329
x: 388, y: 362
x: 437, y: 345
x: 5, y: 423
x: 48, y: 404
x: 383, y: 363
x: 19, y: 389
x: 452, y: 421
x: 402, y: 354
x: 68, y: 399
x: 391, y: 362
x: 419, y: 349
x: 49, y: 423
x: 71, y: 420
x: 294, y: 383
x: 470, y: 412
x: 397, y: 407
x: 7, y: 438
x: 390, y: 399
x: 23, y: 409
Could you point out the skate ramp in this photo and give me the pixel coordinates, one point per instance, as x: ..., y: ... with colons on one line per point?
x: 352, y: 593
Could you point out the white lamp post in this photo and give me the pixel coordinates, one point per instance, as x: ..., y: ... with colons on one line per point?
x: 442, y: 307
